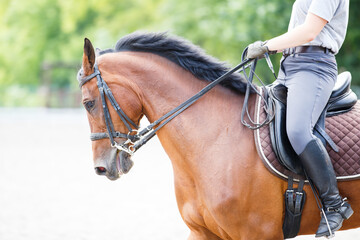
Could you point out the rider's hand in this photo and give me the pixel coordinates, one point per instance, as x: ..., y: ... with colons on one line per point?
x: 257, y: 50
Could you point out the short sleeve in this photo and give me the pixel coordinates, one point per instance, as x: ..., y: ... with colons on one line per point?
x: 324, y: 8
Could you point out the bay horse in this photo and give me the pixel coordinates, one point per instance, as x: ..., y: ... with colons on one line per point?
x: 223, y: 190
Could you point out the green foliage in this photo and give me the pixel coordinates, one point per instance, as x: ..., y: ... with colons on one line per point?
x: 225, y: 28
x: 40, y: 33
x: 349, y: 55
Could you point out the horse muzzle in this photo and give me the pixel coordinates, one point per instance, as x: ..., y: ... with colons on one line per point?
x: 120, y: 163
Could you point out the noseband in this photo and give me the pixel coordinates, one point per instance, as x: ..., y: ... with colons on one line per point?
x: 111, y: 133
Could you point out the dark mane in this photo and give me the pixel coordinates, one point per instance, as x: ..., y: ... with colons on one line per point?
x: 183, y: 53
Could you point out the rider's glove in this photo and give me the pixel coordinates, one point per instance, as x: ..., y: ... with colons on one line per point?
x: 258, y: 49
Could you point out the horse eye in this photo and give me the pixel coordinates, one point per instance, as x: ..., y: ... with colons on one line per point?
x: 89, y: 105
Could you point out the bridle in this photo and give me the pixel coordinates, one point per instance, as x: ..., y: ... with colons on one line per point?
x: 134, y: 142
x: 111, y: 133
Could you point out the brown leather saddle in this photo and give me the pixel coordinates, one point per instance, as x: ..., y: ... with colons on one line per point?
x: 338, y: 128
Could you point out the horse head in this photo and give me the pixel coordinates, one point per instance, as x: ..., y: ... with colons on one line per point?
x: 110, y: 159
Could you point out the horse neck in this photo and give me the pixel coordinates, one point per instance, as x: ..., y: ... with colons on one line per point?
x: 163, y: 85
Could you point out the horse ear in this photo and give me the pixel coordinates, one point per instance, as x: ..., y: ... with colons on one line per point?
x: 97, y: 52
x: 88, y: 57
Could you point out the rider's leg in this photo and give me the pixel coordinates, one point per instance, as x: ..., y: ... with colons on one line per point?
x: 309, y: 88
x: 317, y: 165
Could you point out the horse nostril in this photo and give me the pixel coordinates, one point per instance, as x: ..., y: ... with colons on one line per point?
x: 100, y: 170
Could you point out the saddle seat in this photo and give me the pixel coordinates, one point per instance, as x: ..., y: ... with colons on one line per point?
x: 342, y: 100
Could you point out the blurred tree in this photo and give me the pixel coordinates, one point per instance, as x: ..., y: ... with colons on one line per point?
x: 349, y: 55
x: 225, y: 28
x: 38, y: 33
x: 31, y: 35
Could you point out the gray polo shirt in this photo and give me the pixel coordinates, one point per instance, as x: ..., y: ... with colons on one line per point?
x: 336, y: 12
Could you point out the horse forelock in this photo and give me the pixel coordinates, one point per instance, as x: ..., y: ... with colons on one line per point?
x: 80, y: 75
x: 182, y: 52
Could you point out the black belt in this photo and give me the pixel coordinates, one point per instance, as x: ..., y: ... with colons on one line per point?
x: 307, y: 49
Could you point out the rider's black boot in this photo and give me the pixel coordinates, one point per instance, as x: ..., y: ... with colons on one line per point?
x: 318, y: 166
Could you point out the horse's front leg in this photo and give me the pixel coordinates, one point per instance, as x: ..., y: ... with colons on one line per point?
x: 195, y: 221
x: 202, y: 234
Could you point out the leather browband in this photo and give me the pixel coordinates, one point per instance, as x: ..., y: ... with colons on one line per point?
x: 88, y: 78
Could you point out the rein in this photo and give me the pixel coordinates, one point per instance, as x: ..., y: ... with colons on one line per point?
x: 134, y: 142
x: 269, y: 115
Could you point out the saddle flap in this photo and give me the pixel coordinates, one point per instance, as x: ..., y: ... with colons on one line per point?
x: 279, y: 140
x: 279, y: 92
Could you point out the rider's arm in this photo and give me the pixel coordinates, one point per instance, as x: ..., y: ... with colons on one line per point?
x: 299, y: 35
